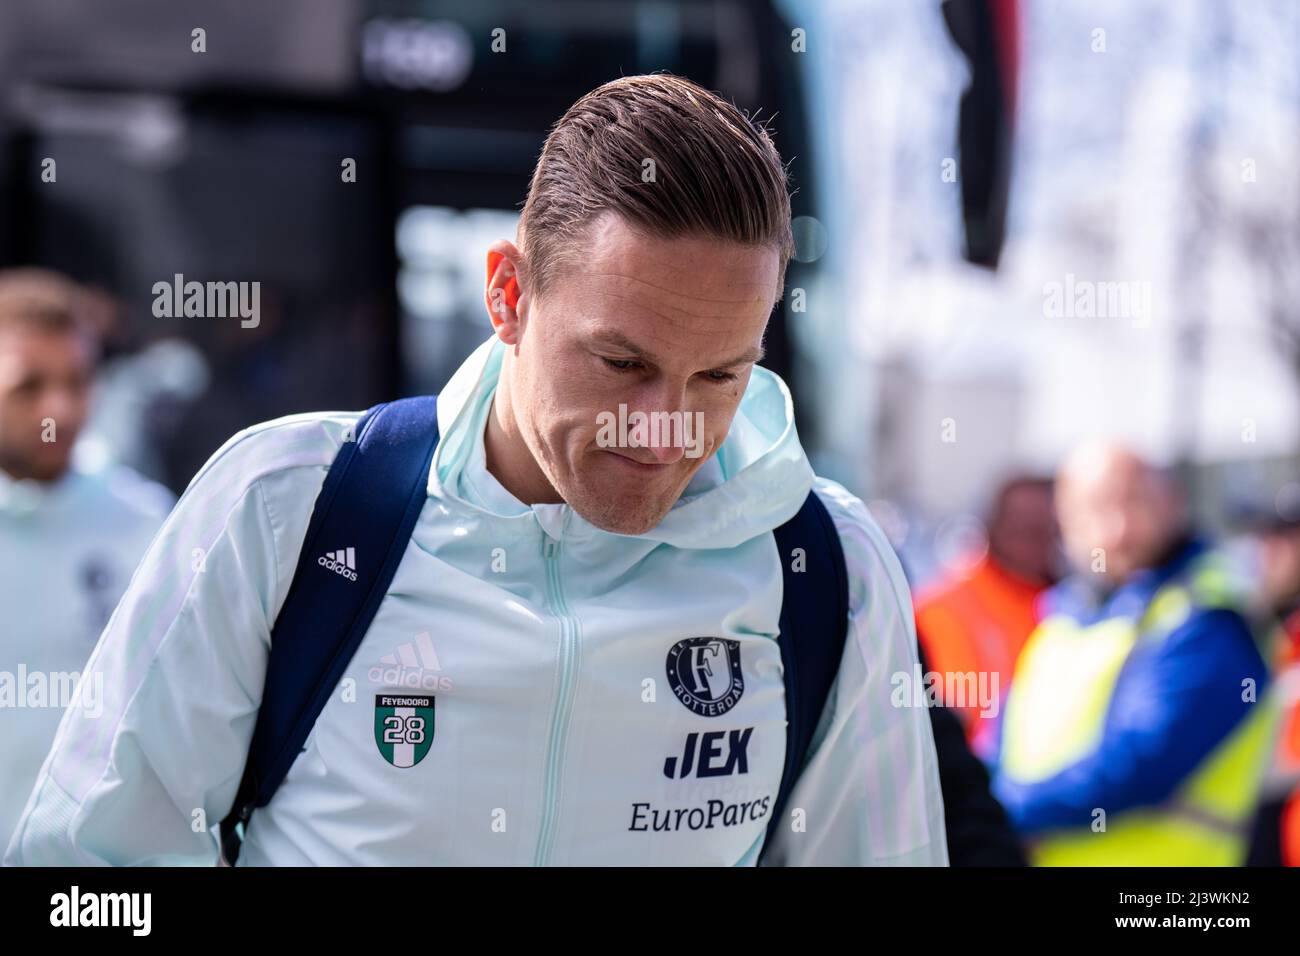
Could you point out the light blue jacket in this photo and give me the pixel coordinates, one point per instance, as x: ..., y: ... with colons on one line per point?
x: 67, y: 550
x: 534, y: 690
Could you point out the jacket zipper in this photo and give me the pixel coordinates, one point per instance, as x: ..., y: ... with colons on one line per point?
x: 563, y: 699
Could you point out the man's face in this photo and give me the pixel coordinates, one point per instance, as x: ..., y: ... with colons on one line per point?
x: 45, y: 379
x: 1279, y: 567
x: 659, y: 326
x: 1023, y: 535
x: 1122, y: 507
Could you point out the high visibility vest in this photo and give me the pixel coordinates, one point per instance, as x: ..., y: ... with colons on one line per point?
x: 1056, y: 711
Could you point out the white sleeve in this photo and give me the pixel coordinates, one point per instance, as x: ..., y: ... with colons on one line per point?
x: 146, y: 762
x: 869, y: 794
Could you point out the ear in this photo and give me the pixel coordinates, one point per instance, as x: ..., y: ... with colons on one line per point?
x: 501, y: 293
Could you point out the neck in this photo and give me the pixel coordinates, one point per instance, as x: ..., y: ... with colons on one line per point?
x: 509, y: 460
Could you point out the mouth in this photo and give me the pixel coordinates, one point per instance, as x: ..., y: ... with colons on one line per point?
x: 638, y: 467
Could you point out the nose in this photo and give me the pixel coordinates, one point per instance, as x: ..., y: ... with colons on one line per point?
x: 663, y: 454
x: 667, y: 425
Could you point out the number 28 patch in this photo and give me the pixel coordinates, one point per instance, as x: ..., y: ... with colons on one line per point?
x: 403, y: 728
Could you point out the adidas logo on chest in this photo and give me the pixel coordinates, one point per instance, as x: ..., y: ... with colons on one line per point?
x: 413, y: 665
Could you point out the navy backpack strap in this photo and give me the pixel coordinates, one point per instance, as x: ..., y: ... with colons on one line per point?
x: 359, y: 529
x: 814, y: 626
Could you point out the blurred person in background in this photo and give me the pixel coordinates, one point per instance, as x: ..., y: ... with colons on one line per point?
x: 1275, y: 531
x: 976, y: 619
x: 69, y: 537
x: 1133, y: 733
x: 1277, y: 549
x: 1275, y: 840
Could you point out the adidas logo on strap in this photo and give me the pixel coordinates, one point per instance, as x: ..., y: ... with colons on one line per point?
x: 342, y: 562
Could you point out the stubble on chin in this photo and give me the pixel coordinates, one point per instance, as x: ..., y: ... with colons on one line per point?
x: 633, y: 512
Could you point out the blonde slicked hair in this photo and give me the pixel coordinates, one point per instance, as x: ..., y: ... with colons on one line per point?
x: 716, y: 174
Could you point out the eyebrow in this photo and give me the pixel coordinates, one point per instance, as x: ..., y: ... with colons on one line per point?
x: 619, y: 340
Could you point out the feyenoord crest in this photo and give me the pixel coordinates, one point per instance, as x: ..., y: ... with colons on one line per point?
x: 705, y: 674
x: 403, y: 728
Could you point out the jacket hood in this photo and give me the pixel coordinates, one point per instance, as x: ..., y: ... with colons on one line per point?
x: 754, y: 482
